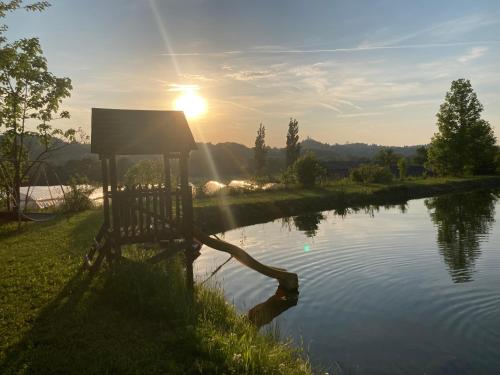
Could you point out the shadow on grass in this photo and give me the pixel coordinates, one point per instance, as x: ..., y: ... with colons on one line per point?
x: 132, y: 318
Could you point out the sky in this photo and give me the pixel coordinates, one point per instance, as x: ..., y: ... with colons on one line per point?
x: 371, y: 71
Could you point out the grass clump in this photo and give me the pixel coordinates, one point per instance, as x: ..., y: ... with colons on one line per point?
x: 133, y: 318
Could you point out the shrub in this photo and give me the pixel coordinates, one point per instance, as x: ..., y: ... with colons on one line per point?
x: 370, y: 173
x: 77, y: 198
x: 308, y: 170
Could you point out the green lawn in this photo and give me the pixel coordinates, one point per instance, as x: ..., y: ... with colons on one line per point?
x: 344, y: 186
x: 132, y: 319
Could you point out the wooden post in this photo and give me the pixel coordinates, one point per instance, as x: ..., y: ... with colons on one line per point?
x: 105, y: 193
x: 115, y: 207
x: 187, y: 216
x: 168, y: 187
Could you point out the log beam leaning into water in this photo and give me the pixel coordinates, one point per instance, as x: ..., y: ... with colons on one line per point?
x: 287, y: 280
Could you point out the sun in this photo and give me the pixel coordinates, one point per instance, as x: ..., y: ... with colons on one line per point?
x: 192, y: 104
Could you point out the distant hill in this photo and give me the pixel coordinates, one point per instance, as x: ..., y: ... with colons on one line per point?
x: 230, y: 158
x: 351, y: 151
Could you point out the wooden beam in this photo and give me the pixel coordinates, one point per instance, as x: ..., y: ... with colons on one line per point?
x: 115, y: 207
x: 287, y: 280
x: 168, y: 186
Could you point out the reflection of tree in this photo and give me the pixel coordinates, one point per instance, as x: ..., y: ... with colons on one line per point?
x: 308, y: 223
x: 462, y: 220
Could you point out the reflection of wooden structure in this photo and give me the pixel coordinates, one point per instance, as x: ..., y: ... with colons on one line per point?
x: 140, y: 214
x: 279, y: 302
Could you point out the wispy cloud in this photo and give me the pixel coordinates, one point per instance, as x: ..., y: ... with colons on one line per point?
x: 360, y: 48
x: 364, y: 114
x: 331, y: 107
x: 442, y: 32
x: 250, y: 75
x: 176, y: 87
x: 473, y: 54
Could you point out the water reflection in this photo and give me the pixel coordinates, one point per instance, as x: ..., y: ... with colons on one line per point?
x: 463, y: 221
x: 279, y: 302
x: 308, y: 223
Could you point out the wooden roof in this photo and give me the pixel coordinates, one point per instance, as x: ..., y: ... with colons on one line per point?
x: 137, y: 132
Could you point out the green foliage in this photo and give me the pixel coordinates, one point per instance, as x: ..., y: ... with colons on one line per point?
x: 371, y: 173
x: 308, y: 170
x: 465, y: 143
x: 420, y: 157
x: 12, y: 5
x: 29, y: 95
x: 292, y: 142
x: 497, y: 159
x: 402, y: 168
x: 288, y: 176
x: 260, y: 149
x: 386, y: 157
x: 145, y: 172
x: 77, y: 198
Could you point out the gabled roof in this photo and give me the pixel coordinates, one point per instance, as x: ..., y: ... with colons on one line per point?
x: 138, y: 132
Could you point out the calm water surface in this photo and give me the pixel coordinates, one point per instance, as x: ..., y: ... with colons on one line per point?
x: 404, y: 289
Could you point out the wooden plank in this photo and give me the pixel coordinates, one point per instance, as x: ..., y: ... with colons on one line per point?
x: 148, y: 207
x: 115, y: 208
x: 168, y: 186
x: 161, y: 207
x: 140, y: 212
x: 105, y: 184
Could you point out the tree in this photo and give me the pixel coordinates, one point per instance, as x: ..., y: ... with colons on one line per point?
x: 145, y: 172
x: 292, y: 142
x: 260, y: 149
x: 465, y: 143
x: 420, y: 157
x: 30, y: 97
x: 12, y: 5
x: 386, y: 157
x: 308, y: 170
x: 402, y: 168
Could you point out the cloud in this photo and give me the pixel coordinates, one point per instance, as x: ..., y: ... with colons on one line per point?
x: 175, y: 87
x: 250, y: 75
x: 329, y: 106
x: 364, y: 114
x: 442, y: 32
x: 305, y: 51
x: 473, y: 54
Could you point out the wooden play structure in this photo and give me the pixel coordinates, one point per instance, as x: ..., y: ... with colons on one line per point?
x: 161, y: 214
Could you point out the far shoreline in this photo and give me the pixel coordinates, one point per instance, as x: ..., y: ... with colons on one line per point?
x: 225, y: 212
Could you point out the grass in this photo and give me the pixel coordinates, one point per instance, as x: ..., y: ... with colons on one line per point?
x: 134, y: 318
x: 340, y: 186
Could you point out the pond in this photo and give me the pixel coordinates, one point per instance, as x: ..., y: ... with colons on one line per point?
x: 405, y: 289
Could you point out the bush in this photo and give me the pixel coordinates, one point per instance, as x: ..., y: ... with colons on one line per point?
x: 308, y: 170
x: 370, y: 173
x: 77, y: 198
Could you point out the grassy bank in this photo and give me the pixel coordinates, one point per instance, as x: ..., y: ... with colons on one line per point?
x: 223, y: 212
x: 133, y: 319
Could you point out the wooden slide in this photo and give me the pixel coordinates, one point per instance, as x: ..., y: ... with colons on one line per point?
x: 287, y: 280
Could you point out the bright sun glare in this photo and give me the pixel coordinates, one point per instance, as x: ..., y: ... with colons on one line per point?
x: 192, y: 104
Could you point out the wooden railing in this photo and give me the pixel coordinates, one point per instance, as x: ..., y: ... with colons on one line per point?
x: 148, y: 212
